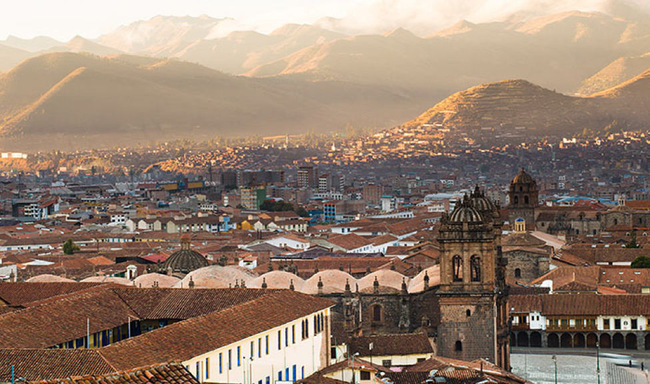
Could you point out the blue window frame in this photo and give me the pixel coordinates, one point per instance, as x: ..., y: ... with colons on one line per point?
x: 239, y: 356
x: 280, y: 375
x: 286, y: 337
x: 229, y: 359
x: 259, y: 347
x: 197, y: 371
x: 220, y: 362
x: 207, y: 367
x: 294, y: 372
x: 266, y: 339
x: 279, y: 340
x: 293, y: 334
x: 252, y: 349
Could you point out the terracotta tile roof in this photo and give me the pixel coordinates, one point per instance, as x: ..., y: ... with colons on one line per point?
x: 57, y: 321
x: 173, y: 303
x: 394, y: 344
x: 186, y: 339
x: 173, y: 373
x: 18, y: 294
x: 318, y: 378
x: 459, y: 371
x: 350, y: 241
x: 594, y: 305
x: 525, y: 303
x: 47, y: 364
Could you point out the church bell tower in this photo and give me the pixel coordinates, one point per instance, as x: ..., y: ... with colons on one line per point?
x: 473, y: 293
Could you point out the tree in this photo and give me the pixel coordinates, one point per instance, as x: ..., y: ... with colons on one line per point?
x: 641, y: 262
x: 69, y: 247
x: 302, y: 212
x: 632, y: 243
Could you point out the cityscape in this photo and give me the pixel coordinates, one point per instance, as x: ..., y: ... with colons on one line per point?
x: 331, y: 199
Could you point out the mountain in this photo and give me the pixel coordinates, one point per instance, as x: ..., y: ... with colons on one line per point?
x: 557, y: 51
x: 616, y: 72
x: 161, y: 35
x: 241, y: 51
x: 69, y: 100
x: 10, y: 56
x: 36, y: 44
x: 513, y: 110
x: 78, y: 44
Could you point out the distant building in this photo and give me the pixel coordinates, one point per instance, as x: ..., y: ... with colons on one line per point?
x: 524, y: 199
x: 253, y: 197
x: 307, y: 176
x: 372, y: 193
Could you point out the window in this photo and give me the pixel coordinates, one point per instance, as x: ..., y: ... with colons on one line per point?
x: 268, y: 379
x: 286, y: 337
x: 267, y: 344
x: 259, y: 347
x: 459, y: 346
x: 220, y: 362
x: 294, y: 371
x: 279, y: 340
x: 377, y: 314
x: 293, y: 334
x: 457, y: 268
x: 252, y: 350
x: 207, y: 367
x: 280, y: 375
x: 635, y: 324
x: 475, y: 268
x: 386, y: 363
x: 197, y: 371
x: 468, y: 313
x: 517, y: 272
x: 606, y: 323
x: 229, y: 359
x: 617, y: 323
x: 333, y: 352
x: 526, y: 199
x: 516, y: 200
x: 302, y: 372
x: 364, y: 375
x: 421, y: 359
x: 239, y: 356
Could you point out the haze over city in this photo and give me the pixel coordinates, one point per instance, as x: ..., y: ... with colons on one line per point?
x: 325, y: 192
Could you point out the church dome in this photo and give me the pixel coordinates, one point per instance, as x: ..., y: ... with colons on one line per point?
x: 523, y: 178
x: 185, y: 260
x: 464, y: 213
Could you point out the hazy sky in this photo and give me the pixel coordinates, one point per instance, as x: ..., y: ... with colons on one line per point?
x: 63, y: 19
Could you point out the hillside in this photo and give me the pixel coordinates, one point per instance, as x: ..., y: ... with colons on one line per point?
x: 83, y: 100
x: 557, y: 52
x: 519, y: 109
x: 241, y: 51
x: 618, y: 71
x: 10, y: 56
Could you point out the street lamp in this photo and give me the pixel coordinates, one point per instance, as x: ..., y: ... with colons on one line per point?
x: 554, y: 358
x: 598, y: 361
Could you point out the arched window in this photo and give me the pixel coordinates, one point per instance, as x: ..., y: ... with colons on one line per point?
x: 615, y: 221
x: 457, y: 268
x: 459, y: 346
x: 526, y: 199
x: 517, y: 272
x: 516, y: 199
x: 377, y: 314
x: 475, y: 268
x: 468, y: 313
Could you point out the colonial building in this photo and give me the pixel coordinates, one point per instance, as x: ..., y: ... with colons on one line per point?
x: 523, y: 199
x: 472, y: 294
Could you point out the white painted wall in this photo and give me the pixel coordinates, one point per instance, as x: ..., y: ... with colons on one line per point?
x: 626, y: 323
x: 305, y: 354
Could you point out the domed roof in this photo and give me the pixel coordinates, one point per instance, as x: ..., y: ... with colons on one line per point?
x: 185, y: 260
x: 333, y: 282
x: 417, y: 283
x: 523, y: 178
x: 155, y: 279
x: 216, y: 276
x: 47, y: 278
x: 385, y: 278
x: 107, y: 279
x: 481, y: 203
x: 278, y: 280
x: 464, y: 213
